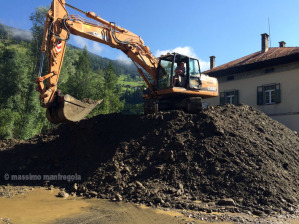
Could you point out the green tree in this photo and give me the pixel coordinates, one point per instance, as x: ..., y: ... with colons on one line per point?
x: 15, y: 73
x: 110, y: 93
x: 82, y: 83
x: 134, y: 101
x: 68, y: 68
x: 8, y: 119
x: 4, y: 33
x: 33, y: 119
x: 38, y: 23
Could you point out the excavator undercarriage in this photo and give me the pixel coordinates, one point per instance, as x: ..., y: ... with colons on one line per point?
x: 190, y: 105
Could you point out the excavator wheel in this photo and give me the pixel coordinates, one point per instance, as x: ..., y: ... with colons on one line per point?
x: 70, y: 110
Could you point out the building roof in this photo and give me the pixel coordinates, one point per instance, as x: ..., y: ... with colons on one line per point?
x: 274, y: 56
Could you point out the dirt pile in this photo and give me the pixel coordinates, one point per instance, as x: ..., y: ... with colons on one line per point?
x: 229, y: 157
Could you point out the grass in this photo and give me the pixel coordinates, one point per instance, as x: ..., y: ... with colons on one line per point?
x: 126, y: 82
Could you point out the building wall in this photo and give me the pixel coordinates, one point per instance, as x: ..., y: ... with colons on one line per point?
x: 287, y: 111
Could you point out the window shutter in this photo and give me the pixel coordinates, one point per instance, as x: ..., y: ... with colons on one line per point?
x: 260, y: 95
x: 277, y: 93
x: 222, y: 98
x: 236, y: 98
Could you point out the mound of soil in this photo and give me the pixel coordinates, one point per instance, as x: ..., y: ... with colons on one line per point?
x: 229, y: 157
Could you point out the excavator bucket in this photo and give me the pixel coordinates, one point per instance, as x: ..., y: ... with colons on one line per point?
x: 70, y: 110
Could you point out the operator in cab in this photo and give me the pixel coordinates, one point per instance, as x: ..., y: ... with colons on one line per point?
x: 179, y: 77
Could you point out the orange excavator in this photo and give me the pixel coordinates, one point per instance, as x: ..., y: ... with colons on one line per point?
x: 169, y: 86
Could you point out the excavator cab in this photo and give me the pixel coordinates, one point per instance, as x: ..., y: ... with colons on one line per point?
x: 167, y: 77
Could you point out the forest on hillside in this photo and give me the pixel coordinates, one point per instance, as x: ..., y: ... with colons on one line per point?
x: 83, y: 75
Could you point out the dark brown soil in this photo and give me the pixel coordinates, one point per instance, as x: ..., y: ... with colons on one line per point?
x: 9, y: 143
x: 89, y: 101
x: 229, y: 157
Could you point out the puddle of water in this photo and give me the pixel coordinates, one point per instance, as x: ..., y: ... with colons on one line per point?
x: 40, y: 206
x: 160, y: 211
x: 178, y: 215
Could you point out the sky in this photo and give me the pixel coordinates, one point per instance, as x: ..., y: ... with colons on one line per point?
x: 227, y: 29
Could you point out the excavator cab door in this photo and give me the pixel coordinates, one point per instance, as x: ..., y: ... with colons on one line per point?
x: 194, y: 74
x: 164, y: 73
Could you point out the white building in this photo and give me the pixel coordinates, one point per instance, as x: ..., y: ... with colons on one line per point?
x: 267, y: 80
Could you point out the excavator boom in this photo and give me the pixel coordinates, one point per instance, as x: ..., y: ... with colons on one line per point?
x: 166, y: 89
x: 58, y: 27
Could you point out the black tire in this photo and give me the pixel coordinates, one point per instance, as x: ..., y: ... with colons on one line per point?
x: 150, y: 106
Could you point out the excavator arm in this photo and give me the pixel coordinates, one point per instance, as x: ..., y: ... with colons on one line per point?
x: 59, y: 26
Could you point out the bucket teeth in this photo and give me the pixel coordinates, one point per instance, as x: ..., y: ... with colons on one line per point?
x: 70, y: 110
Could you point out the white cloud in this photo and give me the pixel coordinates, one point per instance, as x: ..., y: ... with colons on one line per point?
x: 24, y: 34
x: 188, y: 51
x: 122, y: 58
x: 204, y: 65
x: 17, y: 33
x: 97, y: 48
x: 80, y: 41
x: 93, y: 47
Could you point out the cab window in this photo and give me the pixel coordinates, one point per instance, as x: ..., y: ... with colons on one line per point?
x: 193, y: 67
x: 164, y: 74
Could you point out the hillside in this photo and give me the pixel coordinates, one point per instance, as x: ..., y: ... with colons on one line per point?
x: 16, y: 34
x: 97, y: 62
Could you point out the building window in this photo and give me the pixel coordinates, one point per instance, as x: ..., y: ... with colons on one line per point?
x: 268, y: 94
x: 230, y: 77
x: 269, y: 70
x: 231, y: 97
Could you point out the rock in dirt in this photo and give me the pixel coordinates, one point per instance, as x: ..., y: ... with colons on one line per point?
x: 92, y: 194
x: 118, y: 197
x: 226, y: 202
x: 74, y: 187
x: 62, y: 194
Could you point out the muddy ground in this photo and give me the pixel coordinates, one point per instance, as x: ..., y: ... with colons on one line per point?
x: 224, y: 159
x: 41, y: 205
